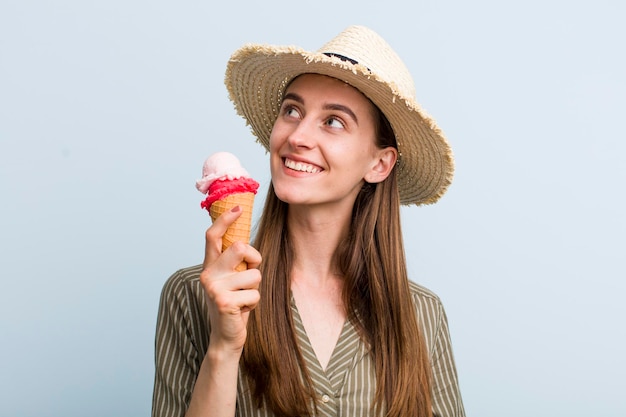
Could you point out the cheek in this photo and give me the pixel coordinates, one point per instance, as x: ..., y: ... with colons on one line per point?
x: 358, y: 161
x: 274, y: 154
x: 347, y: 155
x: 275, y: 136
x: 272, y: 143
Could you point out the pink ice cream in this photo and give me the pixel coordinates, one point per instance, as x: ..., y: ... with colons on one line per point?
x: 222, y: 176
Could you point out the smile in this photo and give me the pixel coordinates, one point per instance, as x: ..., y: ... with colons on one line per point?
x: 300, y: 166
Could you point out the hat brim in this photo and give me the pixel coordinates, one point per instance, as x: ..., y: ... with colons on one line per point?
x: 257, y: 75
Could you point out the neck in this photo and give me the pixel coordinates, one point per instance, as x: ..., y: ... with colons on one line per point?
x: 315, y: 236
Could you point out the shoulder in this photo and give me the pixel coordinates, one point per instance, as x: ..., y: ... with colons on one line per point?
x: 183, y: 300
x: 423, y: 294
x: 181, y: 282
x: 189, y: 273
x: 429, y: 310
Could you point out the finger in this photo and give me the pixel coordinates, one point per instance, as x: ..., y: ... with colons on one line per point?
x: 217, y: 281
x: 215, y: 233
x: 231, y: 294
x: 247, y: 300
x: 245, y: 280
x: 241, y: 252
x: 239, y: 301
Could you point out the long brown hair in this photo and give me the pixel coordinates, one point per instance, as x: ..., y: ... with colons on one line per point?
x: 376, y: 295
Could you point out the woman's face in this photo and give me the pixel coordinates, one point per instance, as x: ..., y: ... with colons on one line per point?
x: 322, y: 146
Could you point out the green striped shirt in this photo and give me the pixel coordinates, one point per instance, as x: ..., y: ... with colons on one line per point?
x: 346, y: 387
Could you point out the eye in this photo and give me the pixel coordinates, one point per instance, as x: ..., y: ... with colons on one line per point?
x: 335, y: 123
x: 291, y: 111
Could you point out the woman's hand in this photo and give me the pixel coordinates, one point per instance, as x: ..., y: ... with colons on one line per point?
x: 231, y: 294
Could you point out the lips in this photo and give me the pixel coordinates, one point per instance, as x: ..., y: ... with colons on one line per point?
x: 301, y: 166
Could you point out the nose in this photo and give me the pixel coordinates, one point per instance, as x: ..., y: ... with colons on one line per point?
x: 302, y: 135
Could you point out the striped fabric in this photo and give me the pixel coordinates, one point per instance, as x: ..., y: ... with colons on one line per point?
x: 347, y: 386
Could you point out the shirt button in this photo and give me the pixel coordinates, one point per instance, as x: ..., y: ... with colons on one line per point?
x: 325, y: 398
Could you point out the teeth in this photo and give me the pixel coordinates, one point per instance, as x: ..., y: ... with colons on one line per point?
x: 299, y: 166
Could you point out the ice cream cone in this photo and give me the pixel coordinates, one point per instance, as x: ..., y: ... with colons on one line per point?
x: 240, y: 229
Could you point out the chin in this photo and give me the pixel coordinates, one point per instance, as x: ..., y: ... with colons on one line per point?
x: 286, y: 198
x: 290, y: 196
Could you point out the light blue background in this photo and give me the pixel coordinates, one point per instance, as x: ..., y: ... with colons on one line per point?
x: 108, y: 109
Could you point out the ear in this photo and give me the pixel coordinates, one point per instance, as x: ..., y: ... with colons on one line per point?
x: 384, y: 162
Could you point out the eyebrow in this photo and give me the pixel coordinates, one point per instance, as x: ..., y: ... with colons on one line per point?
x: 330, y: 106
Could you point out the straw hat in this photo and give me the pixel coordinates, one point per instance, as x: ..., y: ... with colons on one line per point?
x: 257, y: 75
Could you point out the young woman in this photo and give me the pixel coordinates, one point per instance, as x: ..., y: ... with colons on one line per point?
x: 325, y: 320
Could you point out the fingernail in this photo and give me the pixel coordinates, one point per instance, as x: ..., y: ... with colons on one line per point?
x: 236, y: 209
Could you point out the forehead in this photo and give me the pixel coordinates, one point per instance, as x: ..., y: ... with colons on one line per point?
x: 330, y: 89
x: 317, y: 82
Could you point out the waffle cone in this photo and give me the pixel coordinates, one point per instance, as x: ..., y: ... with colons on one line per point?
x: 240, y: 229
